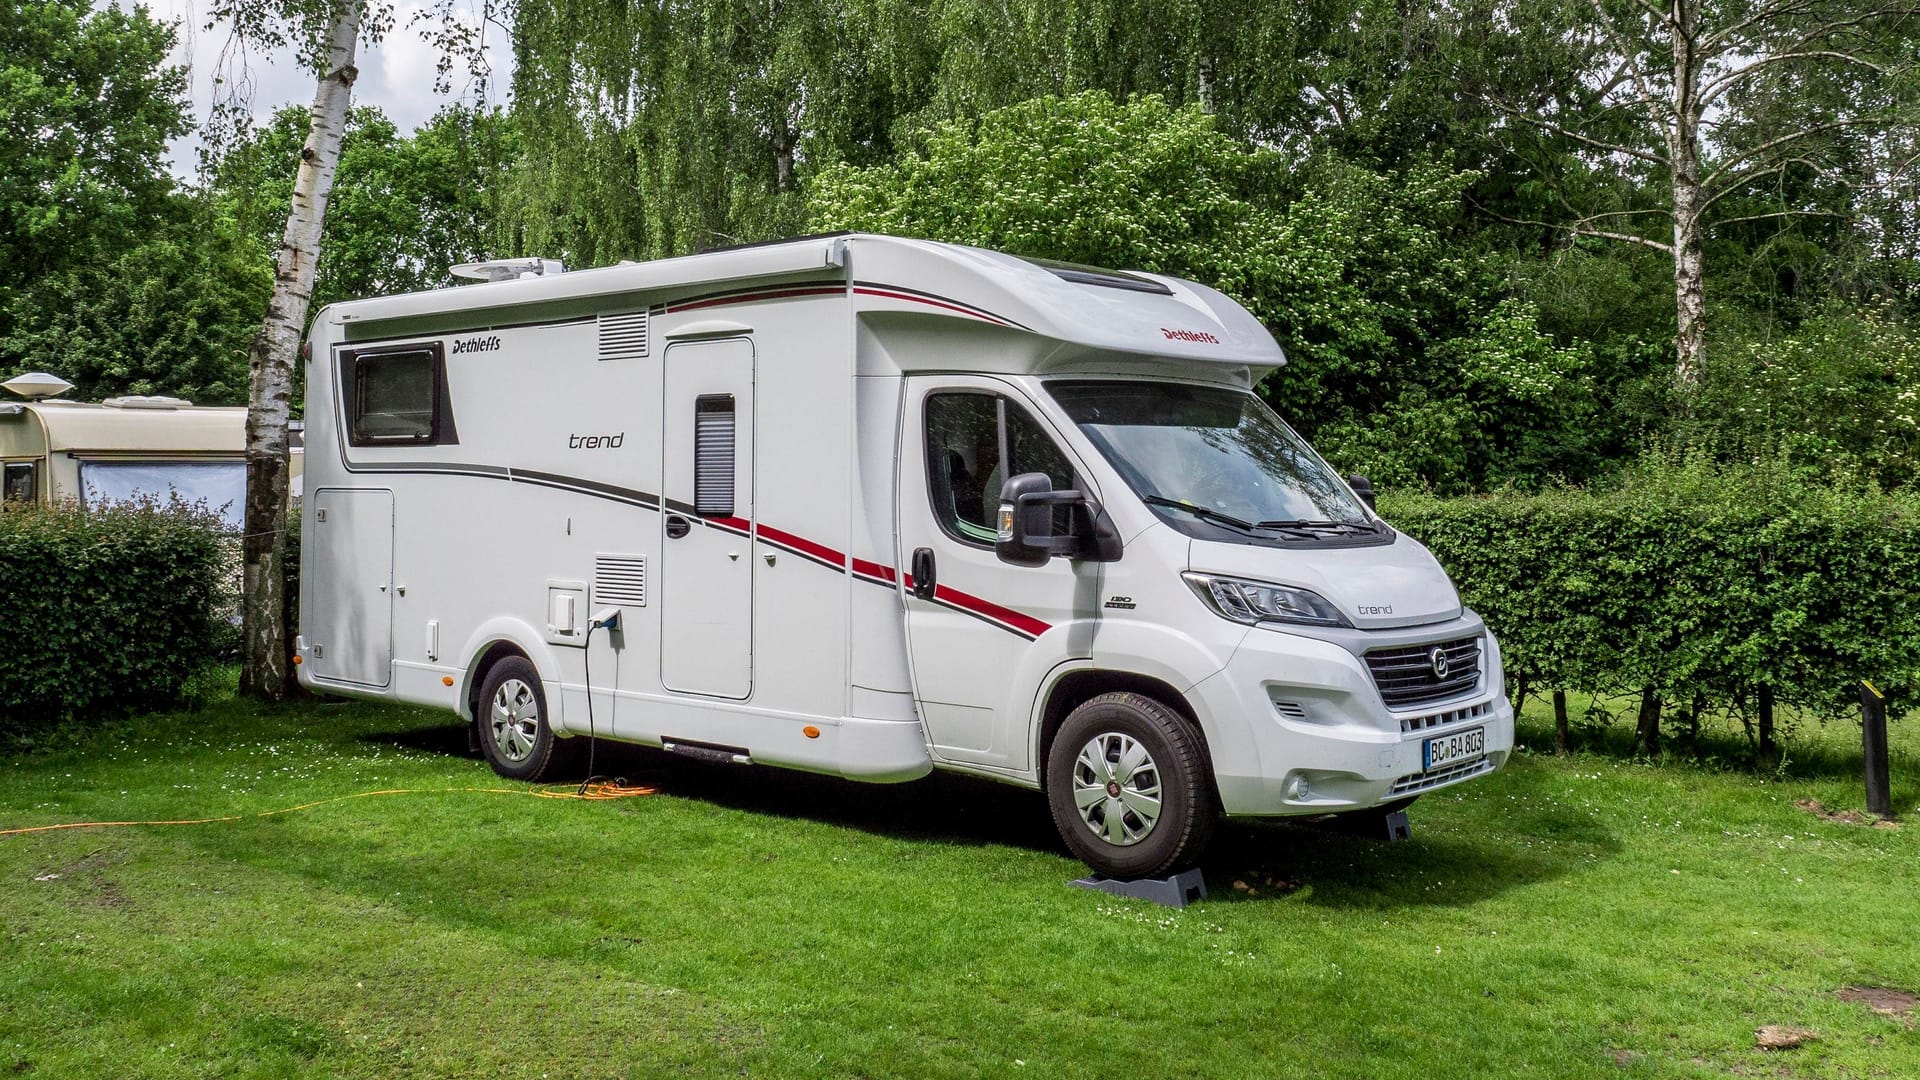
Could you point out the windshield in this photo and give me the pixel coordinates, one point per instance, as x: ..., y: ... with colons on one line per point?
x: 1211, y: 459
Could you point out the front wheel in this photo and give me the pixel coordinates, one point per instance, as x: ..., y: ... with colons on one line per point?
x: 1128, y: 784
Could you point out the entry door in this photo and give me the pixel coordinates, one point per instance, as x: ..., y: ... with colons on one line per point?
x: 706, y: 563
x: 962, y: 439
x: 351, y: 621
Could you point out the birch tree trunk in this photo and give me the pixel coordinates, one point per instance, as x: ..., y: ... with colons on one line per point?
x: 264, y: 666
x: 1683, y: 164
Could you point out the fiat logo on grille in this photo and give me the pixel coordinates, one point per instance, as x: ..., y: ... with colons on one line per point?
x: 1437, y: 659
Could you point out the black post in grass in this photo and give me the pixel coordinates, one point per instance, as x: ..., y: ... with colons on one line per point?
x: 1873, y: 741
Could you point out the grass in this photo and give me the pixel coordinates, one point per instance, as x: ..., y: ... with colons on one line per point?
x: 1570, y: 916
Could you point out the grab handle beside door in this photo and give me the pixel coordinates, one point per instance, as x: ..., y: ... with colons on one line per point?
x: 923, y: 576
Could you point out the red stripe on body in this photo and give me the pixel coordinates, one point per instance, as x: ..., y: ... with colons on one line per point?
x: 873, y: 570
x: 802, y: 545
x: 1026, y: 624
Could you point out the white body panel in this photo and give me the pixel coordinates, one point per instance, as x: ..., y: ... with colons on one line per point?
x: 570, y: 467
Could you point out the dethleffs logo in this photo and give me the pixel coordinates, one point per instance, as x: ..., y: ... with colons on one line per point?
x: 596, y: 442
x: 490, y: 343
x: 1200, y: 336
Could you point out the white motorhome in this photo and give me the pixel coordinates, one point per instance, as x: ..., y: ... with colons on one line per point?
x: 871, y: 506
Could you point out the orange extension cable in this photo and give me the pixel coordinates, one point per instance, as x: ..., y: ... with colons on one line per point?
x: 590, y: 792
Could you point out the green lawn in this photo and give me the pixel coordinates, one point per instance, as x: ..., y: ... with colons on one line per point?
x: 1573, y: 916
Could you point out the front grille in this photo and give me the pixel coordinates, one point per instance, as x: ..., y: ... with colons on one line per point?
x: 1445, y: 774
x: 1405, y: 675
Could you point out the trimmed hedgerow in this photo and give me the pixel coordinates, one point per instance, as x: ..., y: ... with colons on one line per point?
x: 107, y: 611
x: 1705, y: 590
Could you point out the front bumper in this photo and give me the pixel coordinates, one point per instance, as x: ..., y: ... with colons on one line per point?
x: 1296, y: 726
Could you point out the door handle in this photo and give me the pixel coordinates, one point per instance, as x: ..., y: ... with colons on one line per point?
x: 678, y: 526
x: 923, y: 575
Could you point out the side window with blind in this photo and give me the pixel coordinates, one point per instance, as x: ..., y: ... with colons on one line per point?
x: 713, y: 464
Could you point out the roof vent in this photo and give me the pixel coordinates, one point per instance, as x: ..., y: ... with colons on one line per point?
x: 148, y: 401
x: 37, y: 384
x: 508, y: 269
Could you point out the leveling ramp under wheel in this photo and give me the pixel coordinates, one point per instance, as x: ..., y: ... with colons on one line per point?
x: 1177, y: 891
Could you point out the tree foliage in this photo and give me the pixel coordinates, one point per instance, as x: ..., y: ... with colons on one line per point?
x: 405, y: 208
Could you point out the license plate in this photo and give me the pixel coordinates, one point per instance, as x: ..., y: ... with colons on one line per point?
x: 1452, y: 749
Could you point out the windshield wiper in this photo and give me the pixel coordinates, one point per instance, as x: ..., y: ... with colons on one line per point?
x: 1346, y: 526
x: 1207, y: 513
x: 1204, y: 513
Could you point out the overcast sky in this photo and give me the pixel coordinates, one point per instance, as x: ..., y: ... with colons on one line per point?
x: 396, y: 75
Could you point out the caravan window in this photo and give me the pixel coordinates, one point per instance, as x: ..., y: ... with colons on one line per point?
x: 19, y: 483
x: 221, y: 486
x: 394, y: 396
x: 970, y: 435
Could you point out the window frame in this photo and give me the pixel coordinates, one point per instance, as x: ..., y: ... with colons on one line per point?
x: 32, y: 469
x: 440, y: 428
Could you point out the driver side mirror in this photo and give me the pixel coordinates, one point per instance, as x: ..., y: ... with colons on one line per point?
x: 1026, y: 536
x: 1363, y: 488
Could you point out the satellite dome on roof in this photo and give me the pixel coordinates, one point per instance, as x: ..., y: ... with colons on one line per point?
x: 37, y: 384
x: 507, y: 269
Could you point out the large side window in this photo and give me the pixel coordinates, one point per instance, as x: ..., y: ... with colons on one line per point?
x: 971, y: 436
x: 396, y: 396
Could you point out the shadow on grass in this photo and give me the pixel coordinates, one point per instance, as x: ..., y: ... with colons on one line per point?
x: 1328, y: 865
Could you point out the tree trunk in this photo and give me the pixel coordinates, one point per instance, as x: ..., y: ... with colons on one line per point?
x: 1769, y: 751
x: 1646, y: 735
x: 264, y: 670
x: 1562, y: 731
x: 1683, y: 157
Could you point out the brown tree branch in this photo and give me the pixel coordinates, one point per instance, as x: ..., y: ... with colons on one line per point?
x: 1576, y: 228
x: 1731, y: 79
x: 1558, y: 129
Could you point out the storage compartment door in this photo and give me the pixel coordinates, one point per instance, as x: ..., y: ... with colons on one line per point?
x: 706, y: 554
x: 351, y: 547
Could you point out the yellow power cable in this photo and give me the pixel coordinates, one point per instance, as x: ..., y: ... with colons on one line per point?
x: 600, y: 792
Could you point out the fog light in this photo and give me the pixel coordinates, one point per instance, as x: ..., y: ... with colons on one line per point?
x: 1297, y: 788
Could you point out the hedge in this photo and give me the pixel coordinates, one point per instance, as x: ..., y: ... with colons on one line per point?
x: 107, y: 611
x: 1708, y: 592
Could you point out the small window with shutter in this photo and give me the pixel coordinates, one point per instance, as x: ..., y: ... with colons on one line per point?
x: 713, y: 455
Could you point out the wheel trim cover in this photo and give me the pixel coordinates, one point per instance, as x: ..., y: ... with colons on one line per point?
x: 1116, y: 788
x: 513, y: 719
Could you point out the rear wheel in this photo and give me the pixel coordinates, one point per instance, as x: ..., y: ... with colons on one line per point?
x: 513, y: 725
x: 1128, y: 784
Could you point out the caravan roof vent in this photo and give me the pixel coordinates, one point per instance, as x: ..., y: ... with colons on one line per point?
x: 37, y: 384
x: 508, y: 269
x: 146, y: 401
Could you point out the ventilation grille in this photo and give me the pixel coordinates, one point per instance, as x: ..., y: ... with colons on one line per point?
x: 713, y: 456
x: 1409, y: 675
x: 1411, y: 724
x: 1440, y: 777
x: 623, y: 337
x: 1292, y: 710
x: 620, y: 579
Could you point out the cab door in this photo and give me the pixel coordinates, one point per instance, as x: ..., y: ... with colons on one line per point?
x: 976, y: 625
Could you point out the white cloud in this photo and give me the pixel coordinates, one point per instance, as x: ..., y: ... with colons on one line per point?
x: 396, y: 75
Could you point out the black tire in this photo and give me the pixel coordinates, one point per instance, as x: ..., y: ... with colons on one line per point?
x: 1101, y: 729
x: 512, y: 721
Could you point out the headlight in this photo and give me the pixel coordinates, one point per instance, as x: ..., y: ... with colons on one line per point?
x: 1258, y: 601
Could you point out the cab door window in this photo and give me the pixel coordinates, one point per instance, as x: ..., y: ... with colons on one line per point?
x: 972, y: 437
